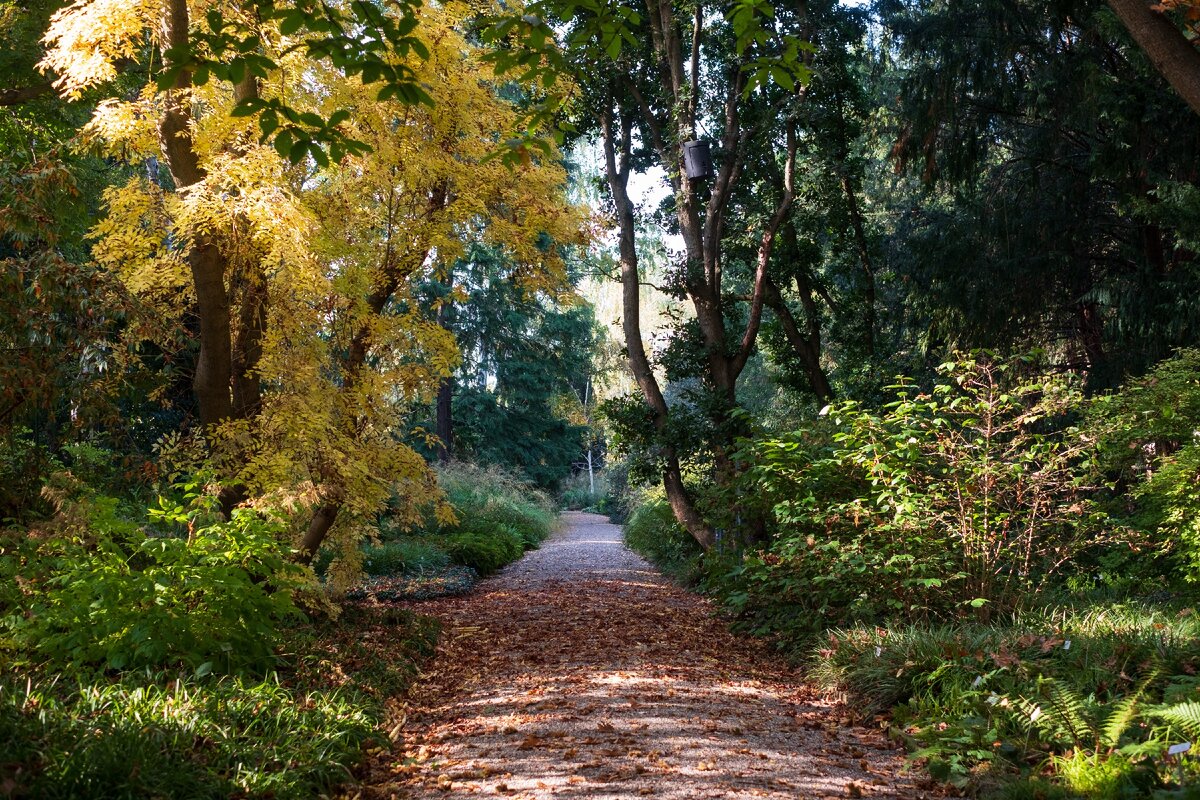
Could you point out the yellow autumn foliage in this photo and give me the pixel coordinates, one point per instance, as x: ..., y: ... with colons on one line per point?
x: 341, y: 251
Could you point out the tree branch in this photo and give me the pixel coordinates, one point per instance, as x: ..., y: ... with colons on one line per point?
x: 23, y: 94
x: 766, y: 245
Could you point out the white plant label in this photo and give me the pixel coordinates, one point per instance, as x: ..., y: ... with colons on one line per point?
x: 1176, y: 749
x: 1067, y: 644
x: 976, y: 682
x: 878, y: 652
x: 1036, y: 714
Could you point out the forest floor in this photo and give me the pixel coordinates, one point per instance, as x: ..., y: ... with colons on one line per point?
x: 580, y: 672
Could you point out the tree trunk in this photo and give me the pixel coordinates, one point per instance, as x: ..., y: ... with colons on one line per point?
x: 1175, y: 58
x: 23, y: 94
x: 252, y: 329
x: 214, y: 364
x: 806, y: 348
x: 318, y: 527
x: 1090, y: 327
x: 445, y: 420
x: 639, y: 364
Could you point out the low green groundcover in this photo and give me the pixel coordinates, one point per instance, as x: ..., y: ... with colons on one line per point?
x: 152, y: 736
x: 453, y: 580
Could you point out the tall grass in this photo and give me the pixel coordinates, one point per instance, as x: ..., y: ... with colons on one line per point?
x: 579, y: 494
x: 154, y: 735
x: 405, y: 556
x: 653, y: 533
x: 490, y: 496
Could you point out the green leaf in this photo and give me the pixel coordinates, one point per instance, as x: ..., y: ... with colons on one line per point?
x: 283, y: 143
x: 298, y: 151
x: 613, y: 48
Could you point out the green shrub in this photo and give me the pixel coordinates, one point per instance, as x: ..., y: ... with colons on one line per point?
x: 491, y: 494
x: 177, y: 738
x: 653, y: 533
x: 499, y: 517
x: 101, y: 591
x: 1150, y: 447
x: 24, y: 465
x: 530, y: 522
x: 967, y: 499
x: 485, y: 551
x: 406, y: 556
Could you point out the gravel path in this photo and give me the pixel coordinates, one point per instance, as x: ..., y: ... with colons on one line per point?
x: 579, y: 672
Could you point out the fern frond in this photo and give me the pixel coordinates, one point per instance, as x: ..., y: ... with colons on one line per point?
x: 1185, y: 716
x: 1123, y: 712
x: 1070, y: 711
x: 1120, y: 715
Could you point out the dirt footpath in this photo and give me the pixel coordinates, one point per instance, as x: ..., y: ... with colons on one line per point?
x: 579, y: 672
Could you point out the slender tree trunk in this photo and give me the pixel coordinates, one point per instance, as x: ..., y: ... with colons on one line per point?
x: 318, y: 527
x: 214, y: 364
x: 807, y: 348
x: 445, y: 420
x: 643, y: 373
x: 1090, y: 327
x: 587, y: 393
x: 1175, y: 58
x: 392, y: 276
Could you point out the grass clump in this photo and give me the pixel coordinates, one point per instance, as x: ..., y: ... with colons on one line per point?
x: 653, y: 533
x: 485, y: 549
x: 158, y: 736
x: 404, y: 556
x: 491, y: 502
x: 295, y: 733
x: 496, y: 518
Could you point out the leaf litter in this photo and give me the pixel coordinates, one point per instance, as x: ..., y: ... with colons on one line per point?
x: 579, y: 672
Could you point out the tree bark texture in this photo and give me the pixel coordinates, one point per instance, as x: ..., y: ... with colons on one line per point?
x: 615, y: 139
x: 806, y: 345
x: 214, y: 364
x: 1175, y: 58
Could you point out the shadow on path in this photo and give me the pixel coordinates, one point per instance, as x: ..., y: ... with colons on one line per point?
x: 579, y: 672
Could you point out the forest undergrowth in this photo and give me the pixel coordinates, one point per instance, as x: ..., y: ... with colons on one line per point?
x: 1002, y: 567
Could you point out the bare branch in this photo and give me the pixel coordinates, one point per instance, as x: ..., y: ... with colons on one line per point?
x: 23, y: 94
x: 766, y: 245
